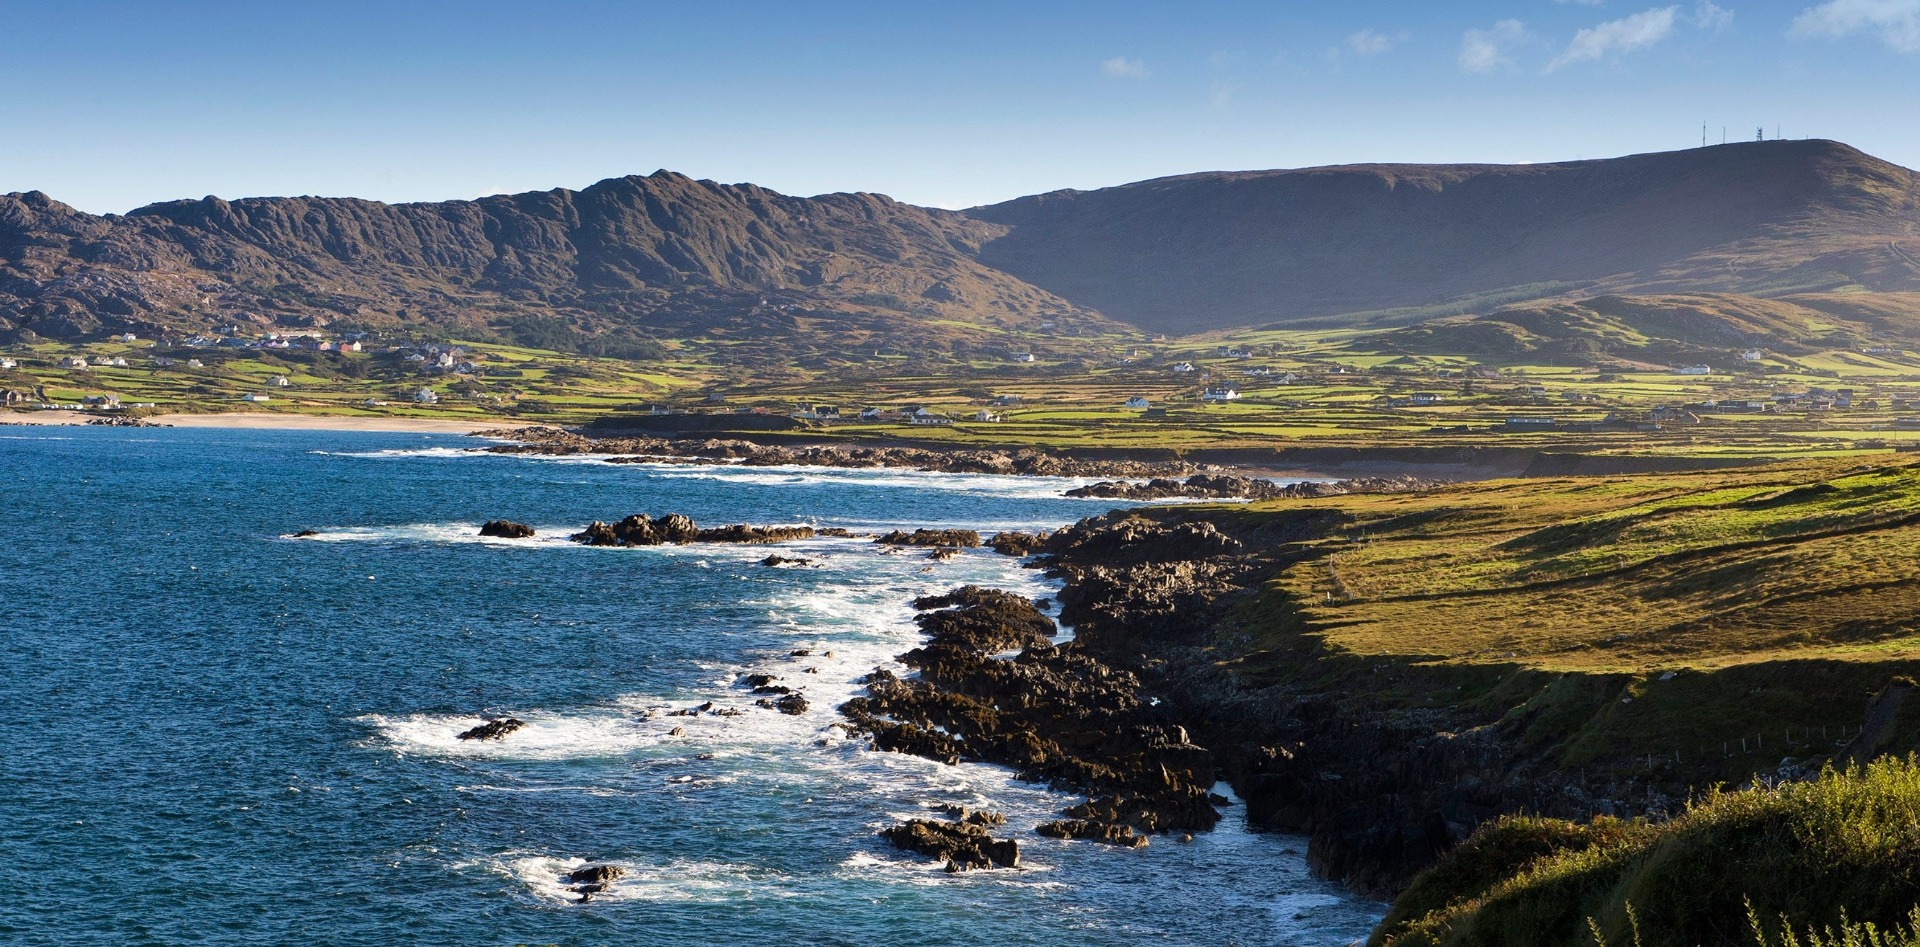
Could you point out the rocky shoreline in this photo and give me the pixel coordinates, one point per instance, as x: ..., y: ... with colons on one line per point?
x: 1231, y: 487
x: 1051, y: 712
x: 1138, y: 714
x: 643, y: 449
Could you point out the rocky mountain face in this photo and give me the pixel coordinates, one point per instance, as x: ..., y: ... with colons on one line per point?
x: 636, y: 259
x: 659, y: 256
x: 1225, y: 249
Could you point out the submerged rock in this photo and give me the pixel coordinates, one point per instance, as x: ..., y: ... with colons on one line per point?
x: 495, y: 729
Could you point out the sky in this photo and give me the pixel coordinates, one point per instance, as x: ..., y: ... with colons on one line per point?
x: 111, y: 106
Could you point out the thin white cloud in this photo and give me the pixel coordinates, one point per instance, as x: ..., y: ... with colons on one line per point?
x: 1221, y: 93
x: 1120, y: 67
x: 1485, y: 51
x: 1370, y: 43
x: 1708, y: 15
x: 1616, y: 37
x: 1896, y: 22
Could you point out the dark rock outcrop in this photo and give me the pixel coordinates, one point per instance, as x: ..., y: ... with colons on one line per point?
x: 1108, y: 832
x: 964, y: 846
x: 506, y: 529
x: 1017, y: 543
x: 964, y: 538
x: 674, y: 528
x: 1052, y: 714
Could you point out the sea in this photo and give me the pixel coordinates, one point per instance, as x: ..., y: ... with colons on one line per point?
x: 213, y: 733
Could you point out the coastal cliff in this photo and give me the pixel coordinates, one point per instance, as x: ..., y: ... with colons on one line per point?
x: 1387, y: 723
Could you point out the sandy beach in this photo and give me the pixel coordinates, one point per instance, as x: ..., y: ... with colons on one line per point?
x: 291, y: 422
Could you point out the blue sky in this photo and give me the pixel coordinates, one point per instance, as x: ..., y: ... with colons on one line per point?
x: 109, y: 106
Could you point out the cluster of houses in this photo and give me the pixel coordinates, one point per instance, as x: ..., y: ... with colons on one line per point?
x: 230, y: 338
x: 440, y: 359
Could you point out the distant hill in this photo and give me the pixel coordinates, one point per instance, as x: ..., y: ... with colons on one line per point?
x: 620, y: 262
x: 1206, y: 251
x: 1672, y: 327
x: 760, y: 277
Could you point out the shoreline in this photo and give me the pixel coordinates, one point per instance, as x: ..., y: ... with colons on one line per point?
x: 275, y: 421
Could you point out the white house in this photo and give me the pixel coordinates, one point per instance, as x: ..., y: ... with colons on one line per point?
x: 1023, y: 357
x: 280, y: 381
x: 1222, y: 393
x: 73, y: 361
x: 6, y: 363
x: 117, y: 361
x: 1138, y: 401
x: 129, y: 337
x: 985, y: 416
x: 426, y: 396
x: 1695, y: 370
x: 257, y: 399
x: 1183, y: 367
x: 1750, y: 355
x: 1425, y: 398
x: 196, y: 363
x: 102, y: 402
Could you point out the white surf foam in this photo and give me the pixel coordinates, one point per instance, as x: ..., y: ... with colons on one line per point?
x: 683, y: 881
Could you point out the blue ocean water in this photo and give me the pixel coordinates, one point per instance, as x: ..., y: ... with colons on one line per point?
x: 217, y: 735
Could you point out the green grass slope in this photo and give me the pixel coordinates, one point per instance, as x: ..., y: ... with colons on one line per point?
x: 1834, y: 859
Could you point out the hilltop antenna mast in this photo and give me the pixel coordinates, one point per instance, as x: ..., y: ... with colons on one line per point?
x: 1703, y: 134
x: 1760, y: 133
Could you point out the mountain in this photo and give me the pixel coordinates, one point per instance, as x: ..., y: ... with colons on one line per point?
x: 746, y: 274
x: 1206, y: 251
x: 662, y: 256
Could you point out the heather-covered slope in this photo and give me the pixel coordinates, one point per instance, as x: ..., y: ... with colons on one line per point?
x: 1222, y: 249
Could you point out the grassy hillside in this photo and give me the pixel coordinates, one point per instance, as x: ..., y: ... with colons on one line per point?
x: 1630, y: 574
x: 1834, y: 860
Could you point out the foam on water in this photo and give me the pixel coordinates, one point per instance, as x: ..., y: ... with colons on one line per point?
x: 684, y: 881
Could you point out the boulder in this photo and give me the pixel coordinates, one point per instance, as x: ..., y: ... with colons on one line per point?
x: 506, y: 529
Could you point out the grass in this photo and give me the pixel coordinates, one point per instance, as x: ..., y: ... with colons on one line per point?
x: 1835, y: 859
x: 1626, y: 574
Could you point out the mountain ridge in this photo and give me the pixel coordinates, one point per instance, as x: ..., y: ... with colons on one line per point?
x: 636, y: 260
